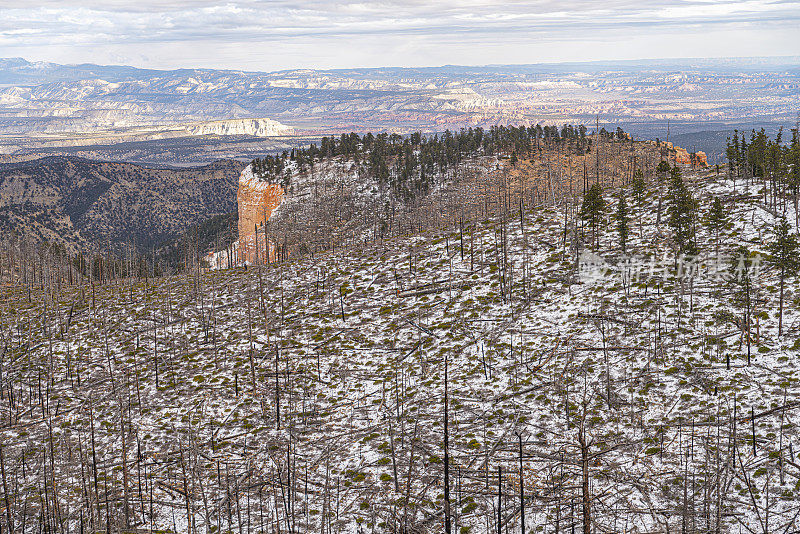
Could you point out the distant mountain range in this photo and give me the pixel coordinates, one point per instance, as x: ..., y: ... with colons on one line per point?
x: 18, y: 71
x: 47, y: 104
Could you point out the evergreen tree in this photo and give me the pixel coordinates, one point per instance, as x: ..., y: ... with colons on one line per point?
x: 408, y: 165
x: 622, y: 221
x: 661, y: 171
x: 593, y: 209
x: 639, y: 188
x: 716, y: 221
x: 793, y: 166
x: 741, y: 279
x: 731, y: 153
x: 663, y: 168
x: 783, y: 255
x: 682, y: 212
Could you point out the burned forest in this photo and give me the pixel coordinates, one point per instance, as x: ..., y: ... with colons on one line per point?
x: 515, y: 330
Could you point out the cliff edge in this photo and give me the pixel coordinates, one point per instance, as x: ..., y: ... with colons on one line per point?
x: 254, y: 127
x: 257, y: 200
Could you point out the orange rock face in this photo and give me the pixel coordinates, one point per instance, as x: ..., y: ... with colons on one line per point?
x: 256, y: 200
x: 681, y: 155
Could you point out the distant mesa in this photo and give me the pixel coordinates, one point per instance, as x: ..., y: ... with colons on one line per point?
x: 254, y: 127
x: 107, y: 128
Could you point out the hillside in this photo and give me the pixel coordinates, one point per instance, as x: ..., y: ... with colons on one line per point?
x: 84, y: 204
x: 355, y: 189
x: 313, y: 394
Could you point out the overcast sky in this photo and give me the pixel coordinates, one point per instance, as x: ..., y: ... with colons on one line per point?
x: 272, y: 35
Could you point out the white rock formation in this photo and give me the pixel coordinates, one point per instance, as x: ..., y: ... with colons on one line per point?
x: 256, y: 127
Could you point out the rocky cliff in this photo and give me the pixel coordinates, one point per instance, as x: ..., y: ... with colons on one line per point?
x: 255, y: 127
x: 684, y: 156
x: 257, y: 200
x: 681, y: 155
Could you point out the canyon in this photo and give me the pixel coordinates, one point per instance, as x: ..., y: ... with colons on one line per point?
x: 86, y: 205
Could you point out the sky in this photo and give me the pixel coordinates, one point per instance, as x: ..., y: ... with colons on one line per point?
x: 278, y: 34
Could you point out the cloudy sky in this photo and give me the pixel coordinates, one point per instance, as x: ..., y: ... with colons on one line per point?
x: 278, y: 34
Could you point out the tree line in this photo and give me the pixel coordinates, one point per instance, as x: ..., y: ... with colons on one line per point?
x: 408, y: 164
x: 773, y: 162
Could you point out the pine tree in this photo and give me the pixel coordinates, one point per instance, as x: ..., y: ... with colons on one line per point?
x: 741, y: 278
x: 716, y: 221
x: 663, y: 168
x: 682, y: 211
x: 639, y: 188
x: 793, y: 177
x: 593, y: 209
x: 783, y: 255
x: 622, y: 221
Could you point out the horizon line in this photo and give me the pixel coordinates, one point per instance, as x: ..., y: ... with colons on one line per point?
x: 791, y: 58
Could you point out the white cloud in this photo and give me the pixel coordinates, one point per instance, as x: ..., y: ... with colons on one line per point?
x: 282, y: 34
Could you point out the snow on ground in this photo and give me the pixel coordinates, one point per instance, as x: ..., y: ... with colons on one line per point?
x: 309, y: 394
x: 224, y: 259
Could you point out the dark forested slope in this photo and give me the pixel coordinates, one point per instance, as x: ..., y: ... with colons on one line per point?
x: 82, y: 203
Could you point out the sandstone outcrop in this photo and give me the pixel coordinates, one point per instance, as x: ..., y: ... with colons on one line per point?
x: 681, y: 155
x: 257, y: 200
x: 696, y: 159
